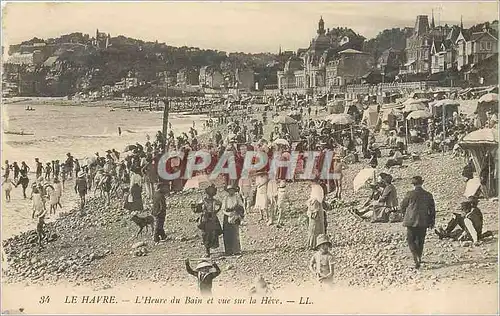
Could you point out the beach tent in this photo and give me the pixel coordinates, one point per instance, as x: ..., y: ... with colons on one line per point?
x: 483, y: 145
x: 370, y: 117
x: 446, y: 106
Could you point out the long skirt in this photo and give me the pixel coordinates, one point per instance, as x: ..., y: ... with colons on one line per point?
x: 232, y: 244
x: 261, y: 201
x: 136, y: 204
x: 211, y: 232
x: 316, y: 228
x: 245, y: 186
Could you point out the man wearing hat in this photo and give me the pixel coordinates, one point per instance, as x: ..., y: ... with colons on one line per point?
x: 159, y: 211
x: 420, y: 214
x: 81, y: 187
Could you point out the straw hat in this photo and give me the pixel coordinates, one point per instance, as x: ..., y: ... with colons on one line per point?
x: 282, y: 184
x: 203, y: 264
x: 231, y: 187
x: 322, y: 239
x: 80, y: 174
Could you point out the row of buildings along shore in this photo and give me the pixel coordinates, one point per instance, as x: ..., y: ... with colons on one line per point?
x: 335, y: 59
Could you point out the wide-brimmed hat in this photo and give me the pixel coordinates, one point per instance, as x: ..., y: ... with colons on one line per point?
x: 80, y: 174
x: 322, y: 239
x: 231, y: 187
x: 417, y: 180
x: 282, y: 184
x: 203, y: 264
x: 211, y: 190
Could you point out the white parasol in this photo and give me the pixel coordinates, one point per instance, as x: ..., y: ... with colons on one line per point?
x: 281, y: 141
x: 414, y: 106
x: 419, y: 114
x: 340, y: 119
x: 362, y: 178
x: 488, y: 97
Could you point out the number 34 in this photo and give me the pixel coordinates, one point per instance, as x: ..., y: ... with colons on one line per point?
x: 44, y: 299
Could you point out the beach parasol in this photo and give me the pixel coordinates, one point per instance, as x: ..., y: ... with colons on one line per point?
x: 281, y: 141
x: 414, y: 106
x: 488, y: 98
x: 446, y: 102
x: 481, y: 137
x: 130, y: 148
x: 284, y: 119
x: 419, y: 114
x: 362, y: 177
x: 340, y: 119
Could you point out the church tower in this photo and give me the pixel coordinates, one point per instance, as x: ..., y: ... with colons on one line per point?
x: 321, y: 26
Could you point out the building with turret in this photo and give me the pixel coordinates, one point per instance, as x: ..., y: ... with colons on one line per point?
x: 419, y: 44
x: 101, y: 40
x: 329, y: 49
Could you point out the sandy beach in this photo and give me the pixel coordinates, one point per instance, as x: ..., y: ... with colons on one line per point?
x: 61, y: 128
x: 374, y: 269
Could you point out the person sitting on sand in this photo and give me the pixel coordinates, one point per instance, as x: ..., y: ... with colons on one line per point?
x: 469, y: 219
x: 395, y: 160
x: 321, y: 263
x: 205, y: 272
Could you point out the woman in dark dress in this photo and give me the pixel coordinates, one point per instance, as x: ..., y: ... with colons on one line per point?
x: 208, y: 221
x: 135, y: 199
x: 23, y: 180
x: 232, y: 207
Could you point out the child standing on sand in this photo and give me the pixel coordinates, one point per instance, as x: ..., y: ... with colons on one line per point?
x: 321, y: 263
x: 205, y: 272
x: 7, y: 187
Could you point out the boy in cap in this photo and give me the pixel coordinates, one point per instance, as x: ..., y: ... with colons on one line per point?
x: 81, y: 188
x: 321, y: 263
x: 206, y: 272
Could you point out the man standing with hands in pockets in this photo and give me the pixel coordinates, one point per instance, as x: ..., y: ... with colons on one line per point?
x: 420, y: 214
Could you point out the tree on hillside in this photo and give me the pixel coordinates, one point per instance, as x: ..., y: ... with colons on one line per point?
x: 395, y: 38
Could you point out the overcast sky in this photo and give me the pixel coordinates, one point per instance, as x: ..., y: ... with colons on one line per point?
x: 228, y: 26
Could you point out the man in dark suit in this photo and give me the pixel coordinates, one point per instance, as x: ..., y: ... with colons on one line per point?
x: 420, y: 213
x: 159, y: 211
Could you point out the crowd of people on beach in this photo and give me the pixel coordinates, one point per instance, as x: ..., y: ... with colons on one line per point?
x: 132, y: 177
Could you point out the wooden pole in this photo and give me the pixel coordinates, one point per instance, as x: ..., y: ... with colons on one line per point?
x: 165, y: 118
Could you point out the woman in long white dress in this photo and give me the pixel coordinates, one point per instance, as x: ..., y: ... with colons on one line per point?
x: 261, y: 200
x: 315, y: 214
x: 38, y: 205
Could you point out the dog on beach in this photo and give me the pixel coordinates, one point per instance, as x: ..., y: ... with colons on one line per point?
x: 143, y: 222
